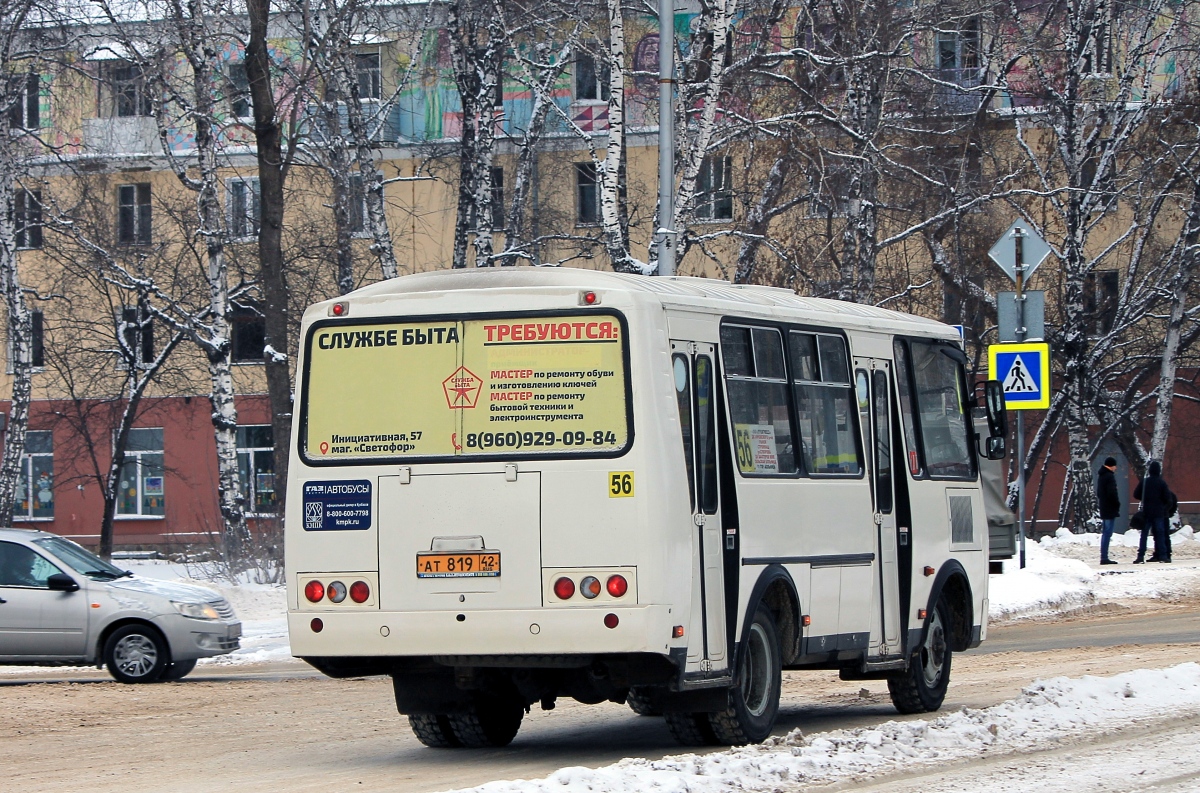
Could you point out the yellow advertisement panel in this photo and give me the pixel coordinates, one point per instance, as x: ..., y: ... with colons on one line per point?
x: 542, y: 385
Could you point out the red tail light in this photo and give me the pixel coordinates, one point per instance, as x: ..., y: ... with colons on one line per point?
x: 611, y: 620
x: 314, y: 591
x: 564, y: 588
x: 617, y: 585
x: 360, y: 592
x: 316, y: 625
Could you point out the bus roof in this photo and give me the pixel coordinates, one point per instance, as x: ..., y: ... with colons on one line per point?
x: 673, y: 292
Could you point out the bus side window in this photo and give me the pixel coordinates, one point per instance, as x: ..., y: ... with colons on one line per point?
x: 706, y: 434
x: 903, y: 373
x: 883, y: 444
x: 683, y: 396
x: 824, y: 403
x: 756, y: 382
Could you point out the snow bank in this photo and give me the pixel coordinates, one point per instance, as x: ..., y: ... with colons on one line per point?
x: 1053, y: 581
x: 1046, y: 712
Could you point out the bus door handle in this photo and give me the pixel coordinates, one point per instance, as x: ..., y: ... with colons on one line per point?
x: 700, y: 518
x: 878, y: 518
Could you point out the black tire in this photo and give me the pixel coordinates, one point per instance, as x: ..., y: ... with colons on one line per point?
x: 691, y: 729
x: 487, y: 723
x: 136, y: 654
x: 754, y: 697
x: 178, y: 670
x: 922, y: 687
x: 638, y: 701
x: 434, y: 730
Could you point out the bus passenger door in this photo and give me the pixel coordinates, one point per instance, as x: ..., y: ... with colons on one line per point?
x: 694, y: 369
x: 873, y: 385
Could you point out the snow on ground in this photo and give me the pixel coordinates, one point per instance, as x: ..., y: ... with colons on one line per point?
x: 1056, y: 578
x: 1049, y: 712
x: 262, y: 608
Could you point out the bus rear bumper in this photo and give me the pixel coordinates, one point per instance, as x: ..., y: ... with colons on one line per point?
x: 641, y: 629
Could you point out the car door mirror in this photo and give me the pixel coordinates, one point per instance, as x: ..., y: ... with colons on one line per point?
x: 61, y: 582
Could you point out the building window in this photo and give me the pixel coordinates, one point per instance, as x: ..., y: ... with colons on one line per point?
x: 239, y: 91
x: 256, y: 467
x: 699, y: 69
x: 498, y: 96
x: 830, y: 195
x: 591, y: 78
x: 1100, y: 299
x: 137, y: 335
x: 958, y: 54
x: 141, y: 482
x: 128, y: 93
x: 133, y: 214
x: 497, y: 197
x: 37, y: 343
x: 249, y: 335
x: 35, y: 481
x: 370, y: 76
x: 1097, y: 53
x: 357, y: 209
x: 587, y: 191
x: 243, y: 207
x: 27, y: 218
x: 714, y: 190
x: 25, y: 94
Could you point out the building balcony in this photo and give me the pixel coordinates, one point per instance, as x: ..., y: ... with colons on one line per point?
x: 952, y: 93
x: 121, y: 135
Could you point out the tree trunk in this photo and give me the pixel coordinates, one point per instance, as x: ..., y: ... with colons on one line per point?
x: 268, y: 137
x: 20, y: 346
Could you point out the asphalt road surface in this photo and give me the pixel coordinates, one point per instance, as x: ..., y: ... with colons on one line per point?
x: 284, y: 728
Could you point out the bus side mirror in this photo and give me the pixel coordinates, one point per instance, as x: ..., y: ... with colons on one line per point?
x: 995, y: 448
x: 993, y: 403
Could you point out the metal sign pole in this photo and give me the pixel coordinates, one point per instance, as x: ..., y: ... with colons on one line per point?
x: 666, y: 137
x: 1018, y: 234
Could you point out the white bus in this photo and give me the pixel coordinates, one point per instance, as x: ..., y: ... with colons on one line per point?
x: 516, y: 485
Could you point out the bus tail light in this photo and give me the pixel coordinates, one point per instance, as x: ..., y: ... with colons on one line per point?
x: 360, y: 591
x: 564, y: 588
x: 314, y: 591
x: 337, y: 592
x: 316, y: 625
x: 617, y: 586
x: 611, y: 620
x: 589, y: 587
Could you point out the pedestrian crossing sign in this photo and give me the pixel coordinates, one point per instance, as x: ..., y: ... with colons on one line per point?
x: 1024, y: 373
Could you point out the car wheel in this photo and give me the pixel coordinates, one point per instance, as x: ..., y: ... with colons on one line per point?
x: 922, y: 687
x: 489, y: 722
x: 178, y: 670
x: 754, y: 698
x: 136, y: 654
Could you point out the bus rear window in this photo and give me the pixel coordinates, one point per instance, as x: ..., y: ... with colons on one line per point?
x: 518, y: 387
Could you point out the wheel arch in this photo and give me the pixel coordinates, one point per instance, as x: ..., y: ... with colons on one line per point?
x: 777, y: 591
x: 115, y: 625
x: 952, y: 583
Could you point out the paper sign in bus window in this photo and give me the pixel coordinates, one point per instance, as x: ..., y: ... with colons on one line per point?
x: 756, y: 449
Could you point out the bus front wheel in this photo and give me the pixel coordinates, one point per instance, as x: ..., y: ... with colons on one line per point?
x: 922, y: 687
x: 754, y: 698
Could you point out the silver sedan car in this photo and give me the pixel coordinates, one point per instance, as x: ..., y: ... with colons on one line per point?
x: 63, y: 605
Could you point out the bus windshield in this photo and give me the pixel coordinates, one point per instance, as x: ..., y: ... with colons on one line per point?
x: 480, y: 388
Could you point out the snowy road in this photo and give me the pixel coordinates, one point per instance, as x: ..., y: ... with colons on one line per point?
x: 315, y: 734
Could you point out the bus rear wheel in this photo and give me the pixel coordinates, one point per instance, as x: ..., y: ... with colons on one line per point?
x: 488, y: 722
x: 754, y: 698
x: 433, y: 730
x: 922, y: 687
x: 640, y: 703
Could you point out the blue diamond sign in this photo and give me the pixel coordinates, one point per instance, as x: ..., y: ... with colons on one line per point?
x: 1024, y: 373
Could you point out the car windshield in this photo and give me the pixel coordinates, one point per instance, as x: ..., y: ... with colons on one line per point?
x: 81, y: 560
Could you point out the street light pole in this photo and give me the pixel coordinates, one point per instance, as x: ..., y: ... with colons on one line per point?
x: 665, y: 244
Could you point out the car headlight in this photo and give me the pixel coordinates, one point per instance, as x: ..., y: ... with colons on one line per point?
x: 197, y: 611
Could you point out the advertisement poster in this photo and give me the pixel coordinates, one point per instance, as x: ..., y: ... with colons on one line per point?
x: 468, y: 387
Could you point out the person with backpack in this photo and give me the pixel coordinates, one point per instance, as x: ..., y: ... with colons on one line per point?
x: 1157, y: 501
x: 1110, y: 505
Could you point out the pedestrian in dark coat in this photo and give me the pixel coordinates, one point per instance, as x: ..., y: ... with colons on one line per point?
x: 1110, y: 505
x: 1156, y: 500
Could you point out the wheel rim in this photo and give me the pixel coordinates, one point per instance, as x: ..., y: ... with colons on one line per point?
x: 933, y: 652
x: 756, y: 672
x: 135, y: 655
